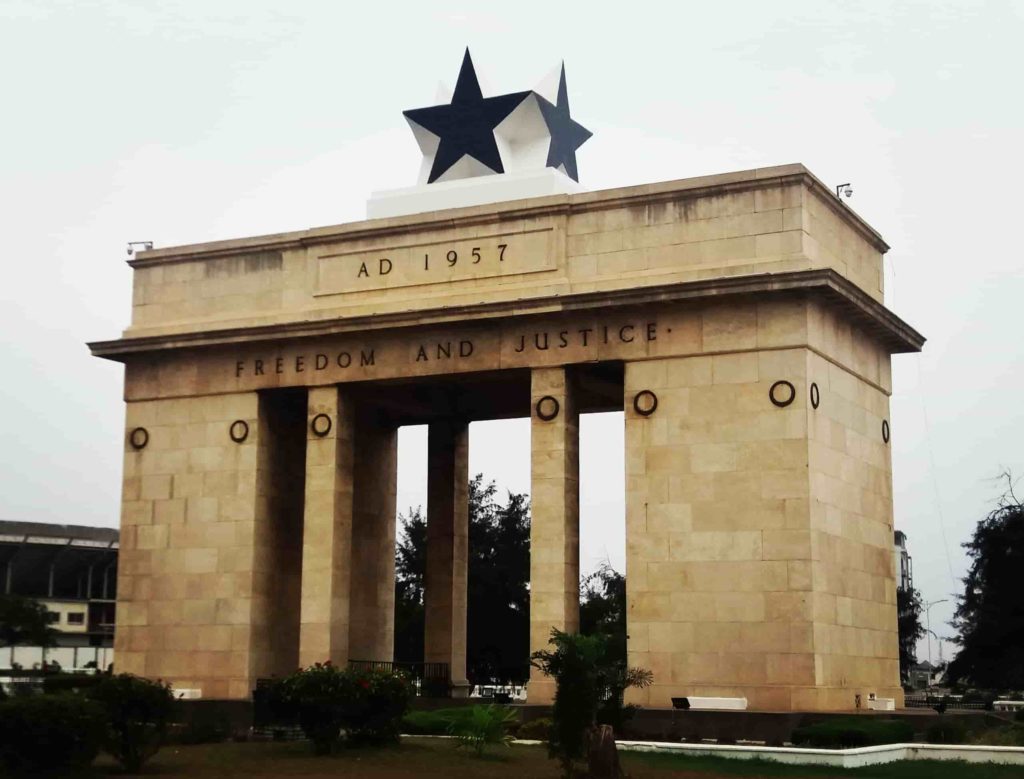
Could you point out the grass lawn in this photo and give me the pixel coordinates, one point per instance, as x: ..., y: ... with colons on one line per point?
x: 428, y: 757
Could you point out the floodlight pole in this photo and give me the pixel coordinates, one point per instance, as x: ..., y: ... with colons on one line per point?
x: 928, y: 618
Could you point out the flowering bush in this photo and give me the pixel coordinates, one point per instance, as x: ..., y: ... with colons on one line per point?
x: 367, y: 704
x: 316, y: 693
x: 374, y: 712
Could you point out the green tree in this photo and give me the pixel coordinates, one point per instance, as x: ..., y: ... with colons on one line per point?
x: 573, y: 663
x: 585, y: 677
x: 908, y: 612
x: 498, y: 609
x: 990, y: 614
x: 498, y: 623
x: 410, y: 571
x: 603, y: 608
x: 603, y: 612
x: 25, y: 621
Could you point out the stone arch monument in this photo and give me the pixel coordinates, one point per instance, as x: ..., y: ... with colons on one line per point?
x: 737, y: 320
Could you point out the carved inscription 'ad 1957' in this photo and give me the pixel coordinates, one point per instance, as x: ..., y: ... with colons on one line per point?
x: 430, y: 263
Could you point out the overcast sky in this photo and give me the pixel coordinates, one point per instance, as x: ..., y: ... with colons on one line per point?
x: 187, y: 122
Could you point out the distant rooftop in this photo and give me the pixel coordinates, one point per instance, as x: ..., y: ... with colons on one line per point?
x: 43, y: 532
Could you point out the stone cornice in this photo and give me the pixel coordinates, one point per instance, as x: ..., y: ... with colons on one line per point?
x: 555, y: 205
x: 868, y: 313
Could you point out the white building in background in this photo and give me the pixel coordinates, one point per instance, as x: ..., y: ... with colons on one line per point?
x: 72, y: 571
x: 904, y: 562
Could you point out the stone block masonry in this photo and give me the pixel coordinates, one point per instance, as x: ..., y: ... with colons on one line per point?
x: 736, y: 320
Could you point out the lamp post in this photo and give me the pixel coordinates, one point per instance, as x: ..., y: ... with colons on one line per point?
x: 928, y: 618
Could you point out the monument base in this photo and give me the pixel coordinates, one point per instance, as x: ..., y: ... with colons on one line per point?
x: 475, y: 191
x: 461, y: 689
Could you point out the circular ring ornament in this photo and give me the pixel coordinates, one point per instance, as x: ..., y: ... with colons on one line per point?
x: 885, y: 430
x: 782, y: 393
x: 239, y: 430
x: 815, y: 395
x: 547, y: 408
x: 138, y: 438
x: 645, y: 403
x: 320, y: 425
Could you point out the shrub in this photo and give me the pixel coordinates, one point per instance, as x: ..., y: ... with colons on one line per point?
x: 368, y: 704
x: 378, y: 701
x: 43, y: 733
x: 946, y: 731
x: 137, y: 711
x: 272, y: 704
x: 316, y: 693
x: 850, y: 732
x: 71, y: 682
x: 1019, y: 716
x: 535, y: 729
x: 484, y: 725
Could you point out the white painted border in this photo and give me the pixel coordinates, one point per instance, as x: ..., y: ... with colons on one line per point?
x: 833, y: 758
x: 838, y: 758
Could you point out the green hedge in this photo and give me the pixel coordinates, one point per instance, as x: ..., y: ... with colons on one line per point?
x: 947, y: 731
x: 536, y: 729
x: 849, y: 732
x: 434, y: 723
x: 326, y: 699
x: 42, y: 733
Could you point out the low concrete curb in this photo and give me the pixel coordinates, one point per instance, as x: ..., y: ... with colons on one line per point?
x: 833, y: 758
x: 837, y: 758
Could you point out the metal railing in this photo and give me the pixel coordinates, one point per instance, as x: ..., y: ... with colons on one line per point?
x: 953, y: 702
x: 410, y: 669
x: 431, y: 680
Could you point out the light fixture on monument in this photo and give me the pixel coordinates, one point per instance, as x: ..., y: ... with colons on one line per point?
x: 478, y: 150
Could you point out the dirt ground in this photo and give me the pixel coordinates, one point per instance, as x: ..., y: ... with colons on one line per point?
x: 420, y: 757
x: 415, y: 758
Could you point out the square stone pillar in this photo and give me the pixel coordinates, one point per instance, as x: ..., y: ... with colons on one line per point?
x: 445, y: 590
x: 327, y: 529
x: 277, y: 533
x: 555, y: 525
x: 372, y: 586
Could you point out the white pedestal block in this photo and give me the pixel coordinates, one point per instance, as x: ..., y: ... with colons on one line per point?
x: 729, y: 704
x: 476, y: 191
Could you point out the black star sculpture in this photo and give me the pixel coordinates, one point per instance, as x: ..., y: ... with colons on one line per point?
x: 466, y: 125
x: 567, y: 135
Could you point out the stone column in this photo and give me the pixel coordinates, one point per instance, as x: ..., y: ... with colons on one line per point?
x: 555, y: 526
x: 279, y: 492
x: 372, y: 627
x: 447, y: 549
x: 327, y: 530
